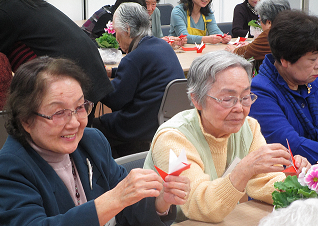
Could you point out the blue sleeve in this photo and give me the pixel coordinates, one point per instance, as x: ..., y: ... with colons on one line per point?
x: 274, y: 114
x: 178, y: 25
x: 125, y: 84
x: 212, y: 27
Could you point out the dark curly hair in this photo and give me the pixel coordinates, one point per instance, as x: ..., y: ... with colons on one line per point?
x: 188, y: 5
x: 29, y: 86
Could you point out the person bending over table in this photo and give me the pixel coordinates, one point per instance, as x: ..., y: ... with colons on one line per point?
x: 195, y: 19
x: 213, y: 134
x: 243, y: 14
x: 287, y: 87
x: 139, y: 82
x: 268, y: 10
x: 54, y: 171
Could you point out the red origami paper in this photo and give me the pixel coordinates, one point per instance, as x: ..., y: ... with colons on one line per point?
x: 292, y: 170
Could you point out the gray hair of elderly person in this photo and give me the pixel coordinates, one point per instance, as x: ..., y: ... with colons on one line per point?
x: 298, y: 213
x: 203, y: 71
x: 29, y: 85
x: 268, y: 9
x: 130, y: 16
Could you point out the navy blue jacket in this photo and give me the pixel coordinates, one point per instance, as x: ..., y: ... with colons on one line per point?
x: 31, y: 193
x: 139, y: 84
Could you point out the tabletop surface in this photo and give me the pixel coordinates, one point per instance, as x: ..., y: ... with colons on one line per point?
x: 247, y: 214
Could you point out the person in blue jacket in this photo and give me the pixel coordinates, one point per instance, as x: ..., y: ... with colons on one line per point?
x: 286, y: 85
x: 139, y: 82
x: 55, y: 171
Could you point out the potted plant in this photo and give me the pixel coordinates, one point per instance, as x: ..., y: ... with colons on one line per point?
x: 255, y: 28
x: 293, y: 188
x: 108, y: 46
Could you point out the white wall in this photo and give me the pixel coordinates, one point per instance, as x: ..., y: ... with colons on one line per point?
x: 223, y: 9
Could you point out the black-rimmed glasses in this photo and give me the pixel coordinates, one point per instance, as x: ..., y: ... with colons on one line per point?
x: 230, y: 101
x: 64, y: 116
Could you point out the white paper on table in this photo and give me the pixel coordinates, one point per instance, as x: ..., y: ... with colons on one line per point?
x: 176, y: 163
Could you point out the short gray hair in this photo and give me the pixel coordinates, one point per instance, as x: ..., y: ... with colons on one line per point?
x: 204, y: 69
x: 268, y: 9
x: 133, y: 16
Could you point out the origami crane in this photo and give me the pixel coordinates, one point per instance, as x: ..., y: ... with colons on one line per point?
x: 176, y: 164
x: 292, y: 169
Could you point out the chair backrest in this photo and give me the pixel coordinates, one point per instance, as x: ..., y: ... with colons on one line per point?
x: 132, y: 161
x: 174, y: 100
x: 165, y: 30
x: 165, y: 13
x: 226, y: 27
x: 3, y: 132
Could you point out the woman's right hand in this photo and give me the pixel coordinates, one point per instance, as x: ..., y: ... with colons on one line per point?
x: 268, y: 158
x: 139, y: 184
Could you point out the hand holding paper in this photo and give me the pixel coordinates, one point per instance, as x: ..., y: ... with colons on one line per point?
x: 176, y: 164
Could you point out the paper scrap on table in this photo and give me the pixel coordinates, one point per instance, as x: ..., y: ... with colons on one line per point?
x: 292, y: 169
x: 176, y: 164
x: 200, y: 47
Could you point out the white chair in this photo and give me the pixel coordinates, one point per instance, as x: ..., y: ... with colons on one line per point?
x: 132, y: 161
x: 3, y: 132
x: 174, y: 100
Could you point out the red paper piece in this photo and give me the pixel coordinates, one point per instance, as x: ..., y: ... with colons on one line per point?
x: 189, y: 48
x: 163, y: 174
x: 242, y: 39
x: 181, y: 36
x: 292, y: 170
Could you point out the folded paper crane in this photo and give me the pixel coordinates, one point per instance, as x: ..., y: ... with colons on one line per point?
x: 239, y: 39
x: 292, y: 169
x: 176, y: 164
x: 198, y: 48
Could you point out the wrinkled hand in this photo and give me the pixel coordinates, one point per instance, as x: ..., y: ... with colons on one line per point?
x: 227, y: 38
x: 213, y: 39
x: 300, y: 163
x: 175, y: 191
x: 268, y: 158
x: 139, y: 184
x: 230, y: 48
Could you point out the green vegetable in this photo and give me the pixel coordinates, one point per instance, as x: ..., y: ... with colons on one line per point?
x: 254, y: 23
x: 107, y: 41
x: 289, y: 191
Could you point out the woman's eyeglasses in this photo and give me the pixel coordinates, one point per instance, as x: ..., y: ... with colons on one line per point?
x: 230, y: 101
x: 64, y: 116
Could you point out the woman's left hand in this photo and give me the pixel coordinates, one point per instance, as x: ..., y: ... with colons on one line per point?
x: 175, y: 191
x: 300, y: 163
x: 226, y: 39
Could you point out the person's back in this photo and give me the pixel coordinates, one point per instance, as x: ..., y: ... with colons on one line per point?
x: 5, y: 78
x: 44, y: 30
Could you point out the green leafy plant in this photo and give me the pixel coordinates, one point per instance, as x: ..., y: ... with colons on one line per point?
x: 254, y: 23
x: 289, y: 191
x: 107, y: 40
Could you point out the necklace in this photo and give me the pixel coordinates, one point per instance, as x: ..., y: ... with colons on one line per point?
x: 251, y: 8
x: 77, y: 194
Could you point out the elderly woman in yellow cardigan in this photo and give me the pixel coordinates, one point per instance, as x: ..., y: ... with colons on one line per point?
x: 215, y: 133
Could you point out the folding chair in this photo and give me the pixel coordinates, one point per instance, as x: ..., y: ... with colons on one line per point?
x: 174, y: 100
x: 132, y: 161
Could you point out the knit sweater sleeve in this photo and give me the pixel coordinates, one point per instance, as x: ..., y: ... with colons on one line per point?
x: 208, y: 200
x: 257, y: 49
x: 261, y: 186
